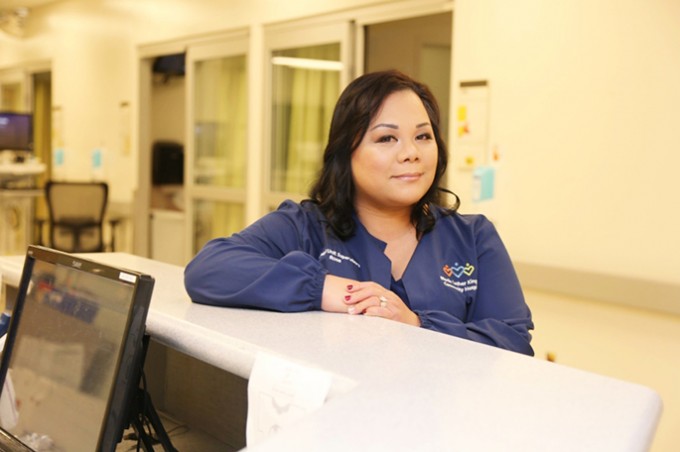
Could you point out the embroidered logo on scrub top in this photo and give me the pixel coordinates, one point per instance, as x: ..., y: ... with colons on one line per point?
x: 459, y: 277
x: 338, y: 257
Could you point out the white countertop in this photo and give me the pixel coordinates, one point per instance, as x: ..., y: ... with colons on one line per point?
x: 29, y: 168
x: 397, y: 387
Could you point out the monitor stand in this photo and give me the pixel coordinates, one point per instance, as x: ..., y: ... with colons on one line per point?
x: 144, y: 414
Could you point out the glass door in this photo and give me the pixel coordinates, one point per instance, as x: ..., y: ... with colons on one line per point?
x: 307, y: 68
x: 217, y: 101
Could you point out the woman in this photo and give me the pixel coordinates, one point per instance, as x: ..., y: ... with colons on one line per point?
x: 374, y: 237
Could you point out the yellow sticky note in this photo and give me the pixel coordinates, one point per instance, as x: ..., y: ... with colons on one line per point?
x: 462, y: 113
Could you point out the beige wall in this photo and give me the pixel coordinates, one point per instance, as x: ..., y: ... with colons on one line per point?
x: 584, y: 108
x: 583, y: 102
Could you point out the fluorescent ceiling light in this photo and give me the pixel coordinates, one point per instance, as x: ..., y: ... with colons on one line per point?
x: 308, y: 63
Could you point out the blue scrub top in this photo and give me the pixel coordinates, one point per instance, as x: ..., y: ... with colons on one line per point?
x: 460, y: 279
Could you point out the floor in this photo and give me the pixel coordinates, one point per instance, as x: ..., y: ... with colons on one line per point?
x: 629, y: 344
x: 182, y: 437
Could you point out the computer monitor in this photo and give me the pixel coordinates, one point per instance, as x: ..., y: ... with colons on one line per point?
x: 16, y: 131
x: 73, y: 353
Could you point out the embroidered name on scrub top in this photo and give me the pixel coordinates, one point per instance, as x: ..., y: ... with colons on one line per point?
x: 338, y: 257
x: 459, y: 277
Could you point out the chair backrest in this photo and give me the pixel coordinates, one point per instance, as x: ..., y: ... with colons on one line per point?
x: 76, y: 215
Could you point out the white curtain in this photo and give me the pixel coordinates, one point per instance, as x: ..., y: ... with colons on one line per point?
x: 304, y: 102
x: 220, y: 132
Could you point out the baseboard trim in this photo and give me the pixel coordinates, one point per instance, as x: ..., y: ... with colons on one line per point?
x: 638, y: 293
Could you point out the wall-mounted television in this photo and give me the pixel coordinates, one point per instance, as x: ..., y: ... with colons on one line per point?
x: 16, y: 131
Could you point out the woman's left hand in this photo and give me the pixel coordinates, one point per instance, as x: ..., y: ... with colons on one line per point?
x: 372, y: 299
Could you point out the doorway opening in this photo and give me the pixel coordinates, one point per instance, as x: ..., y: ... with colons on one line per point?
x: 419, y: 47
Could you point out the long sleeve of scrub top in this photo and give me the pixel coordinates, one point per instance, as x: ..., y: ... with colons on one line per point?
x: 269, y: 265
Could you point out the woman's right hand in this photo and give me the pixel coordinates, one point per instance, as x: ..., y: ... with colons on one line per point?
x: 334, y: 293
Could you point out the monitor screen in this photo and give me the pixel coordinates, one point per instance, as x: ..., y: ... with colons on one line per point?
x: 73, y: 352
x: 16, y: 131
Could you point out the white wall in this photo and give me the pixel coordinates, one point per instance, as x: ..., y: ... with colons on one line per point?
x: 585, y: 105
x: 585, y: 110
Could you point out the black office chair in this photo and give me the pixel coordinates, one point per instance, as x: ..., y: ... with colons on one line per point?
x: 76, y: 215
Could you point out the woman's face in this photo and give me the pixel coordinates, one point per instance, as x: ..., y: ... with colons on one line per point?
x: 396, y: 161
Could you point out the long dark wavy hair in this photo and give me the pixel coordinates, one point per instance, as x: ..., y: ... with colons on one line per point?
x: 358, y: 104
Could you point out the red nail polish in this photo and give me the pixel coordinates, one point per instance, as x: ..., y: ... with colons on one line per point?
x: 349, y: 287
x: 347, y: 297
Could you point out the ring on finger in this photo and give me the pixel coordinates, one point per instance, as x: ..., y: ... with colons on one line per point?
x: 383, y: 301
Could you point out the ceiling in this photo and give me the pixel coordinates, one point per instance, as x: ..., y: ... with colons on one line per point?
x: 13, y: 14
x: 14, y: 4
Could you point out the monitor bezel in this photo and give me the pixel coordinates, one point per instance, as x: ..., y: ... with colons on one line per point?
x: 130, y: 359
